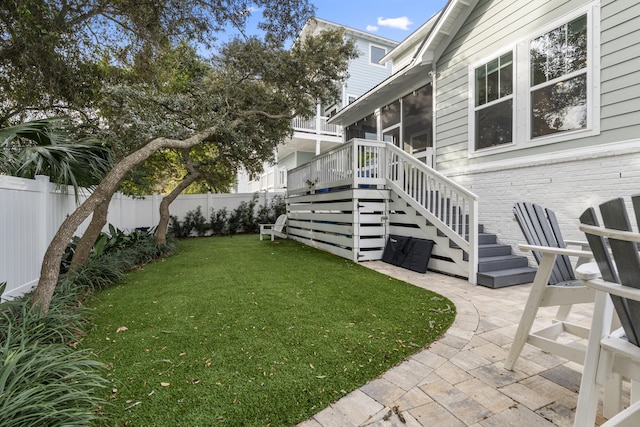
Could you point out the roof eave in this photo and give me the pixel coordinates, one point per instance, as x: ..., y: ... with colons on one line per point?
x: 447, y: 24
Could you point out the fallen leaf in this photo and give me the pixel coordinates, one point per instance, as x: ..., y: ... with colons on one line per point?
x: 122, y: 329
x: 131, y: 406
x: 165, y: 384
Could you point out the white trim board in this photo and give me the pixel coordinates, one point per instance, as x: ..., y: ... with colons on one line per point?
x: 606, y: 150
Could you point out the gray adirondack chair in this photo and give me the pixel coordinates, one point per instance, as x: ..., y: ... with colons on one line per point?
x: 275, y: 230
x: 555, y: 284
x: 615, y: 248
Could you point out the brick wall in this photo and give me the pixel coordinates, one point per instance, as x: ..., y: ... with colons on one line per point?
x: 567, y: 187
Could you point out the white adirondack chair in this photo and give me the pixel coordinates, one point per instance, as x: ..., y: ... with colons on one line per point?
x: 275, y: 230
x: 554, y: 285
x: 617, y: 353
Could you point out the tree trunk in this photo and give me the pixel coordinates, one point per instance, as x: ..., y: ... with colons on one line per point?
x: 88, y: 239
x: 50, y: 269
x: 163, y: 224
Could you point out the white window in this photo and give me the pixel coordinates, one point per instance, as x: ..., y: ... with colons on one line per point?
x: 376, y: 53
x: 558, y: 81
x: 540, y: 91
x: 494, y: 102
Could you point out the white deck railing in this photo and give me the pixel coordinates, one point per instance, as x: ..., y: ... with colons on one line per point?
x: 315, y: 125
x: 359, y: 162
x: 444, y: 203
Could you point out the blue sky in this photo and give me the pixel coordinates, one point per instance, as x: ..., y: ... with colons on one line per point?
x: 392, y: 19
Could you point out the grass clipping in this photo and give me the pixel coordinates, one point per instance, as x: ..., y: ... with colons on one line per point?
x: 233, y: 331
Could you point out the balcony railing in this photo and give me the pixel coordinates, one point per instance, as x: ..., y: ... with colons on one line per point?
x: 316, y: 125
x: 359, y: 162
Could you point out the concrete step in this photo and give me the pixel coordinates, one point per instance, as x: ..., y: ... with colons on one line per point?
x: 509, y: 277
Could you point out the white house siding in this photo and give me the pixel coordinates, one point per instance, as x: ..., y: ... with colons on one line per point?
x: 288, y: 162
x: 620, y: 75
x: 492, y: 27
x: 567, y: 176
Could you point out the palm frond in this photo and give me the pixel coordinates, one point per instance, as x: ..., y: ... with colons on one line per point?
x: 45, y: 147
x: 41, y: 132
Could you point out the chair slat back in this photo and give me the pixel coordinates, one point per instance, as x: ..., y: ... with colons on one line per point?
x: 540, y: 227
x: 281, y: 222
x: 624, y: 267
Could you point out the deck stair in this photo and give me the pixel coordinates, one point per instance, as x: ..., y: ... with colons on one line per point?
x: 498, y: 266
x: 349, y: 199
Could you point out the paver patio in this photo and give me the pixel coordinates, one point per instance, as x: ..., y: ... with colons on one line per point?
x: 460, y: 379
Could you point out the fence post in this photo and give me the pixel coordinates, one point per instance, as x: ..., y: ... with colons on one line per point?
x: 46, y: 234
x: 155, y: 210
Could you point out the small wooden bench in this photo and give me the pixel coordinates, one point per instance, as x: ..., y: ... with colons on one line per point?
x: 275, y: 230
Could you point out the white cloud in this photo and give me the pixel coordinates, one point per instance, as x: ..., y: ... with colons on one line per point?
x: 401, y: 23
x: 372, y: 28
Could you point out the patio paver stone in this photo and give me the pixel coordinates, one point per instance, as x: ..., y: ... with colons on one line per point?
x: 460, y: 380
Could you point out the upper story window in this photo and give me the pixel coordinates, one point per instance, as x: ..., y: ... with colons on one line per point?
x: 539, y: 92
x: 376, y: 53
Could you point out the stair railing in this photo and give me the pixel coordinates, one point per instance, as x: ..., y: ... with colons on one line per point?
x: 444, y: 203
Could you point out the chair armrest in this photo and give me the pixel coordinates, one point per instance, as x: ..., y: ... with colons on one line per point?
x: 266, y: 226
x: 587, y: 271
x: 614, y: 288
x: 580, y: 243
x: 557, y: 251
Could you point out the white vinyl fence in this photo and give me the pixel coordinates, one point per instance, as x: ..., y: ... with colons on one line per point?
x: 31, y: 210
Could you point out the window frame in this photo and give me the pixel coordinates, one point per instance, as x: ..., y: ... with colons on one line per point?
x: 522, y: 89
x: 371, y: 62
x: 511, y: 97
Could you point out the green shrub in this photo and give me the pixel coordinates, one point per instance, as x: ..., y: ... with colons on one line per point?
x: 44, y: 381
x: 218, y: 222
x: 176, y: 228
x: 195, y: 221
x: 267, y: 214
x: 47, y: 385
x: 244, y: 219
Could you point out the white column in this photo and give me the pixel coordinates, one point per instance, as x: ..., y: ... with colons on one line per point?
x: 276, y: 170
x: 318, y: 127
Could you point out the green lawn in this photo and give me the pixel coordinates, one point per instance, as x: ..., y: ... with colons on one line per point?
x: 237, y: 332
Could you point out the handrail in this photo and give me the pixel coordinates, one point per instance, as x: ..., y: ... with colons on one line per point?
x: 444, y: 203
